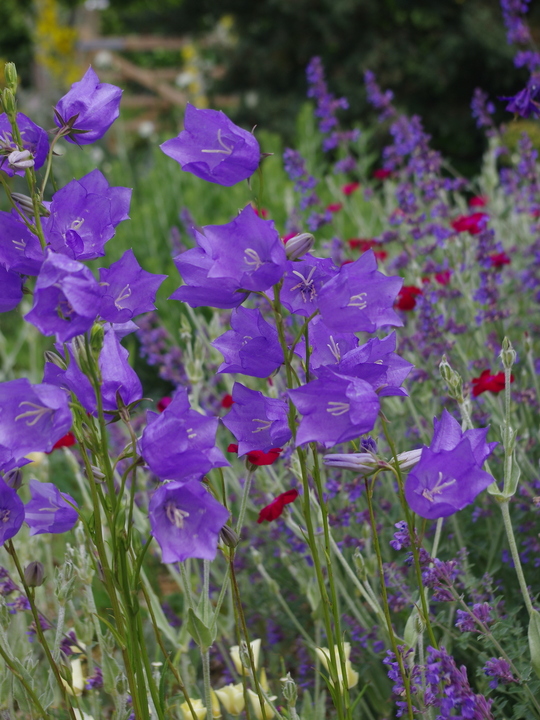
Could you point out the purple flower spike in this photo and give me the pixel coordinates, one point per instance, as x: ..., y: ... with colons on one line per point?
x: 84, y: 215
x: 91, y: 106
x: 66, y: 298
x: 20, y: 250
x: 10, y: 290
x: 34, y: 139
x: 251, y: 347
x: 186, y: 521
x: 336, y: 408
x: 49, y: 510
x: 213, y: 148
x: 180, y: 443
x: 449, y: 475
x: 32, y: 419
x: 11, y: 512
x: 257, y: 422
x: 128, y: 290
x: 360, y: 299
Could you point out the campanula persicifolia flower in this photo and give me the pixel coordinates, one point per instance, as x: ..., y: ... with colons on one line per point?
x: 473, y: 224
x: 49, y: 510
x: 328, y: 347
x: 488, y: 382
x: 11, y: 511
x: 449, y: 475
x: 88, y: 109
x: 274, y: 509
x: 20, y: 250
x: 406, y: 299
x: 34, y: 140
x: 11, y: 284
x: 303, y: 281
x: 186, y: 520
x: 526, y: 102
x: 258, y: 457
x: 213, y: 148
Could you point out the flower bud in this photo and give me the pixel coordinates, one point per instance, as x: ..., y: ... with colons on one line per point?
x: 409, y: 458
x: 257, y: 707
x: 240, y: 656
x: 299, y: 245
x: 10, y: 75
x: 452, y: 379
x: 232, y: 698
x: 360, y: 462
x: 228, y: 537
x: 14, y: 478
x: 289, y: 690
x: 8, y: 102
x: 55, y: 359
x: 26, y: 204
x: 20, y: 159
x: 216, y: 709
x: 96, y: 339
x: 351, y: 675
x: 34, y: 574
x: 508, y: 354
x: 198, y: 707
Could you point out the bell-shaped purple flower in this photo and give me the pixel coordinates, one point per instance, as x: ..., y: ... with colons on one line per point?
x: 213, y: 148
x: 89, y: 109
x: 360, y: 298
x: 10, y: 289
x: 49, y: 510
x: 66, y: 298
x: 186, y: 520
x: 251, y: 347
x: 257, y: 422
x: 32, y: 419
x: 11, y: 512
x: 449, y: 474
x: 84, y: 215
x: 335, y: 408
x: 303, y: 281
x: 328, y: 347
x: 34, y: 140
x: 128, y: 290
x: 20, y: 250
x: 180, y: 443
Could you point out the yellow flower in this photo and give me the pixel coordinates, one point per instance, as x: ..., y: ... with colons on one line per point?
x: 77, y: 678
x: 324, y: 657
x: 257, y: 707
x: 232, y: 698
x: 198, y: 707
x: 235, y: 655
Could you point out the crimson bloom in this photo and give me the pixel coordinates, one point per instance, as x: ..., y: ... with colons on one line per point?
x: 499, y: 259
x: 381, y: 173
x: 276, y: 507
x: 335, y: 207
x: 68, y: 440
x: 473, y: 224
x: 258, y: 457
x: 349, y: 188
x: 478, y: 201
x: 443, y: 278
x: 406, y: 299
x: 488, y: 382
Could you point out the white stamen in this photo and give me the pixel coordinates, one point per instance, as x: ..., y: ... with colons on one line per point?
x: 226, y: 150
x: 39, y: 412
x: 175, y: 515
x: 359, y: 301
x: 337, y: 408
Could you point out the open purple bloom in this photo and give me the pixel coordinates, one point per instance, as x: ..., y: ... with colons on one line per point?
x: 360, y: 298
x: 34, y: 140
x: 335, y: 408
x: 180, y: 443
x: 32, y: 419
x: 303, y: 281
x: 257, y: 422
x: 449, y: 474
x: 186, y: 521
x: 66, y: 298
x: 526, y: 102
x: 327, y: 346
x: 49, y: 510
x: 251, y: 347
x: 10, y: 289
x: 11, y: 512
x: 213, y: 148
x: 84, y: 215
x: 91, y: 106
x: 128, y: 290
x: 20, y: 250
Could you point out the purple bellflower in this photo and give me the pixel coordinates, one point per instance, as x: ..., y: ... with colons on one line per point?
x: 360, y: 298
x: 257, y: 422
x: 179, y: 444
x: 449, y: 474
x: 128, y: 290
x: 11, y: 512
x: 20, y: 250
x: 34, y: 140
x: 335, y: 408
x: 213, y: 148
x: 32, y: 419
x: 526, y: 102
x: 327, y: 346
x: 84, y: 214
x: 49, y: 510
x: 303, y: 281
x: 186, y: 521
x: 251, y: 347
x: 10, y: 289
x: 89, y: 108
x: 66, y: 298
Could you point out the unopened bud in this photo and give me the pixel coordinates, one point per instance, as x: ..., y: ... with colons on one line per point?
x: 14, y: 478
x: 8, y: 102
x: 299, y: 245
x: 409, y: 458
x: 34, y: 574
x: 27, y: 205
x: 452, y: 379
x: 360, y: 563
x: 289, y: 690
x: 97, y: 335
x: 20, y: 159
x: 228, y: 537
x: 10, y: 75
x: 240, y: 656
x: 508, y: 354
x: 55, y: 359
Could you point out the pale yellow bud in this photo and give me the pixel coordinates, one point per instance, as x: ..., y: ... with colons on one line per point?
x: 198, y: 707
x: 80, y: 715
x: 36, y: 458
x: 77, y: 678
x: 263, y: 681
x: 235, y: 656
x: 232, y: 698
x: 257, y: 707
x: 216, y: 710
x: 324, y: 656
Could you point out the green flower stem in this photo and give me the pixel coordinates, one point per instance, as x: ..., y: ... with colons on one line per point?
x: 29, y: 592
x: 205, y: 655
x: 148, y: 668
x: 31, y: 694
x: 244, y: 501
x: 59, y: 631
x: 386, y: 607
x: 12, y: 202
x: 504, y: 505
x: 49, y: 163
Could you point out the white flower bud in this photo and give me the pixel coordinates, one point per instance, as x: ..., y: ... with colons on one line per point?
x: 409, y: 458
x: 20, y: 159
x: 232, y: 698
x: 257, y: 707
x: 299, y: 245
x: 235, y: 656
x: 324, y: 657
x: 198, y: 707
x: 361, y: 462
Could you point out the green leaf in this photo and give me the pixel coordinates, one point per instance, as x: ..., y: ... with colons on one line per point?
x: 203, y: 635
x: 534, y: 641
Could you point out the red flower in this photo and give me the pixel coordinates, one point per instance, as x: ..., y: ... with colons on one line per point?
x: 362, y: 244
x: 381, y: 173
x: 334, y: 207
x: 473, y: 224
x: 276, y: 507
x: 406, y: 299
x: 263, y: 213
x: 288, y: 236
x: 486, y: 381
x: 443, y: 278
x: 478, y: 201
x: 164, y: 403
x: 499, y: 259
x: 227, y: 401
x: 68, y: 440
x: 258, y: 457
x: 350, y: 188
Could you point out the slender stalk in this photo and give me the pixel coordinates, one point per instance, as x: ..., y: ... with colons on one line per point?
x: 244, y: 501
x: 504, y: 505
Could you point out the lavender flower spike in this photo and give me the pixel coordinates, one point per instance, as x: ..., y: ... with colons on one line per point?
x: 213, y: 148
